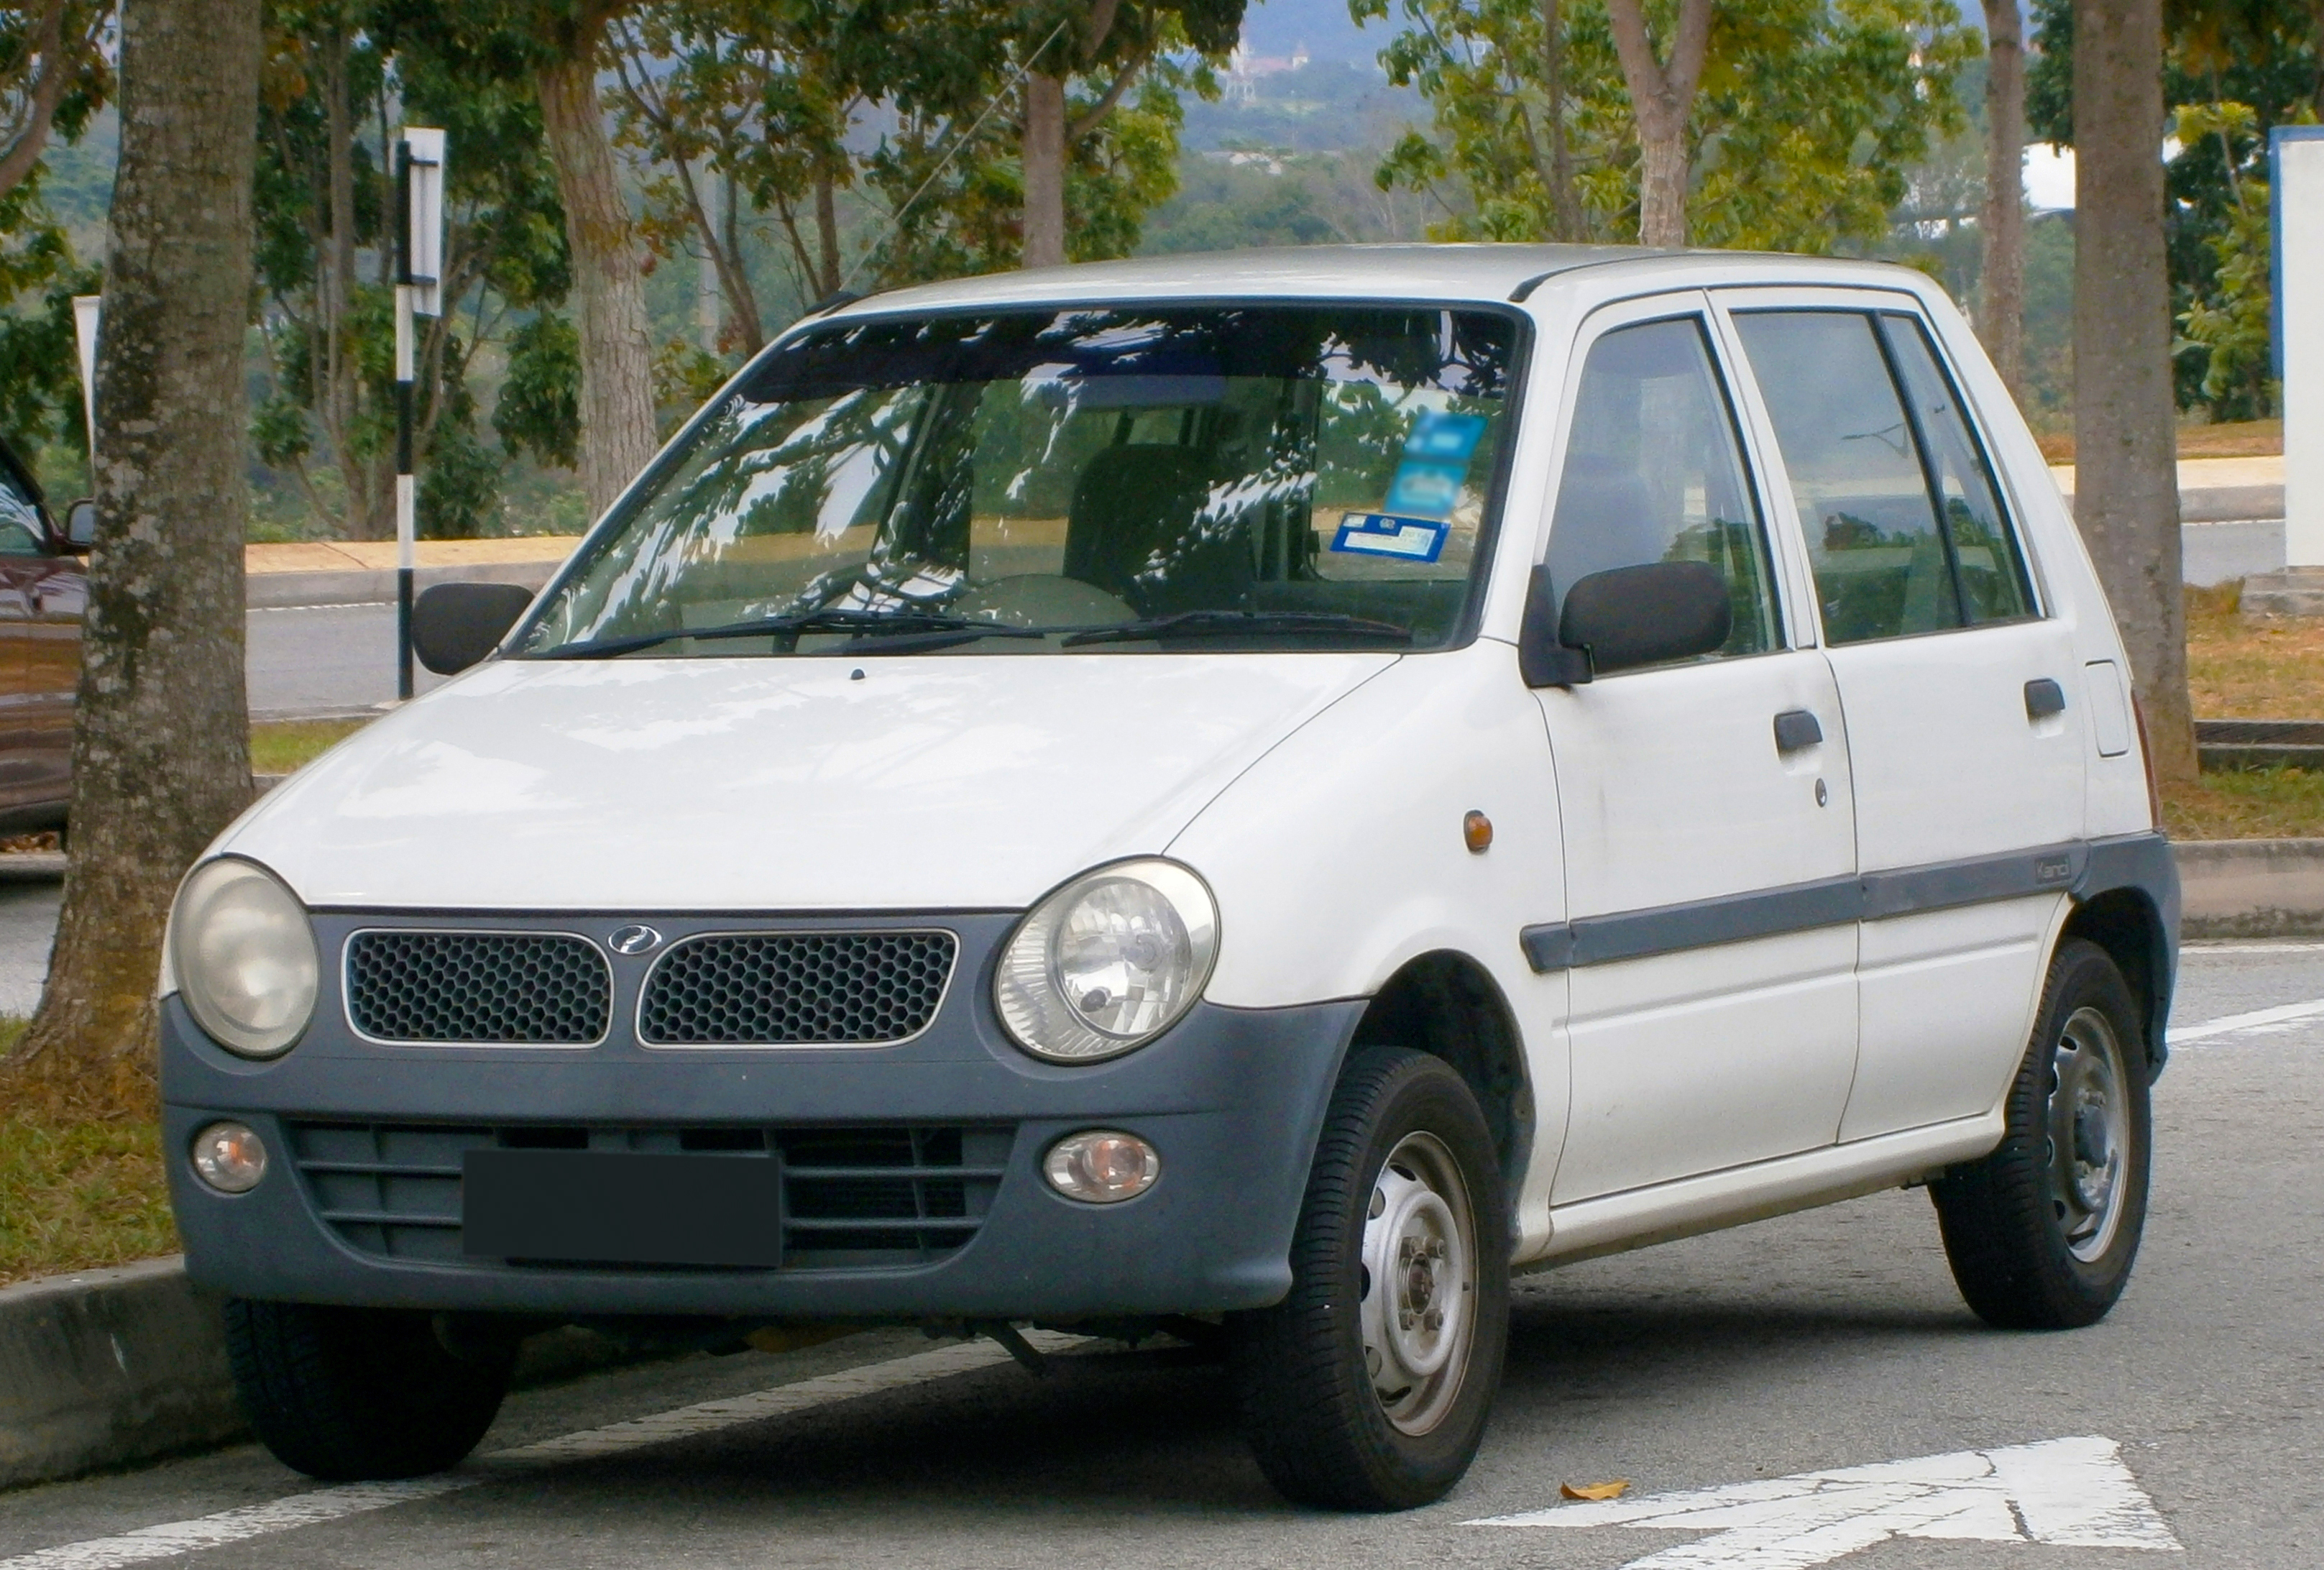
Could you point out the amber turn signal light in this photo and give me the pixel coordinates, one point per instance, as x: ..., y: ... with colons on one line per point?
x: 1477, y: 833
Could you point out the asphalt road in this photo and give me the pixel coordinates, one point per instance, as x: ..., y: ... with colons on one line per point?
x: 316, y: 659
x: 1832, y: 1339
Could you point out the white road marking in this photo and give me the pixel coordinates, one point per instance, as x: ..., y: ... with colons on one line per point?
x: 2258, y: 1019
x: 2201, y: 950
x: 2074, y: 1492
x: 172, y: 1539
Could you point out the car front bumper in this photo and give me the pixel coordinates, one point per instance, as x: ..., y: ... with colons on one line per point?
x: 1233, y: 1098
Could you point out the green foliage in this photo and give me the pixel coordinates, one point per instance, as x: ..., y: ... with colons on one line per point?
x: 2233, y: 69
x: 1809, y: 115
x: 540, y: 407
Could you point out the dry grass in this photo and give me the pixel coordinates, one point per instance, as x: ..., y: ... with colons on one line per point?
x: 2244, y: 439
x: 77, y: 1196
x: 277, y: 749
x: 2262, y: 668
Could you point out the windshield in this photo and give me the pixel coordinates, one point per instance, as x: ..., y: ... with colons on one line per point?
x: 1266, y: 476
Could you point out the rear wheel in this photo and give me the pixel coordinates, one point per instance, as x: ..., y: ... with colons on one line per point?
x: 2041, y: 1233
x: 1368, y: 1386
x: 350, y: 1394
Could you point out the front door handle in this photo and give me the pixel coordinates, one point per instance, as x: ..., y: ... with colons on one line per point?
x: 1796, y: 728
x: 2044, y: 697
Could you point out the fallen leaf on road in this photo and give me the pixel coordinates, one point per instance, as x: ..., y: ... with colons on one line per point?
x: 1614, y: 1490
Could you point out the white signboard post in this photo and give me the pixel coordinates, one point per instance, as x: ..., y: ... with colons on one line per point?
x: 418, y: 290
x: 2295, y: 156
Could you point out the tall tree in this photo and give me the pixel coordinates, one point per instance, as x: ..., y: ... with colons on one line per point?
x: 160, y: 743
x: 48, y: 57
x: 1662, y: 100
x: 1116, y: 42
x: 2001, y: 310
x: 619, y: 432
x: 2125, y: 477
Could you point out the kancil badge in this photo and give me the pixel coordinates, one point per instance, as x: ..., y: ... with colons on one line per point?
x: 1435, y: 464
x: 1379, y: 534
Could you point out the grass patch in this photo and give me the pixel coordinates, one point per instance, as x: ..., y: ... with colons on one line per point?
x: 278, y: 749
x: 2252, y: 667
x: 77, y: 1196
x: 2235, y: 438
x: 2246, y: 804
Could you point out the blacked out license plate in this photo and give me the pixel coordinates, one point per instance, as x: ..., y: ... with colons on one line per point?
x: 622, y: 1208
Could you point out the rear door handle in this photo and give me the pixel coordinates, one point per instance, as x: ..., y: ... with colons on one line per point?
x: 2044, y: 697
x: 1796, y: 728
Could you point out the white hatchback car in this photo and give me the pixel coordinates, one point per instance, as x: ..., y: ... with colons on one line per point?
x: 1244, y: 796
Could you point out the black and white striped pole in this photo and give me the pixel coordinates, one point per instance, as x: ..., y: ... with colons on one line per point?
x: 418, y: 292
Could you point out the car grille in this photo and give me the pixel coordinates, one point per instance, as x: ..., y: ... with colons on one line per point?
x: 776, y: 989
x: 523, y: 988
x: 853, y: 1197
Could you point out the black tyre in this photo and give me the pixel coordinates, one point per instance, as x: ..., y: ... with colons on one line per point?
x: 2041, y: 1233
x: 350, y: 1394
x: 1368, y: 1388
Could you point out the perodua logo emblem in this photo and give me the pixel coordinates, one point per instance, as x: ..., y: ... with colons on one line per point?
x: 632, y: 939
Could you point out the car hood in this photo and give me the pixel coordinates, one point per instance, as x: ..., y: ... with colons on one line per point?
x: 779, y: 784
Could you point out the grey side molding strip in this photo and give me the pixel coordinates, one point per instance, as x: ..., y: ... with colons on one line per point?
x: 1834, y: 901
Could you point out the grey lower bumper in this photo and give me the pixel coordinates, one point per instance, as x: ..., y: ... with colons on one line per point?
x: 1233, y: 1099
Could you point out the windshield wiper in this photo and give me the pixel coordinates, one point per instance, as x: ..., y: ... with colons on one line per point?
x: 823, y: 621
x: 1242, y: 624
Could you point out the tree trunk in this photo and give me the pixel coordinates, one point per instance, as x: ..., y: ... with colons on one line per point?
x: 2125, y: 480
x: 1662, y: 100
x: 2001, y: 315
x: 618, y: 434
x: 826, y: 232
x: 42, y: 93
x: 1045, y: 170
x: 1565, y: 201
x: 162, y: 739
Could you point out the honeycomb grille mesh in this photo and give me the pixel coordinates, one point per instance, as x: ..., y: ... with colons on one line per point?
x: 773, y: 989
x: 502, y: 987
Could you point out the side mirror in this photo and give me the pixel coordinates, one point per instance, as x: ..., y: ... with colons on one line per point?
x: 80, y: 526
x: 1649, y: 614
x: 1542, y: 660
x: 456, y: 625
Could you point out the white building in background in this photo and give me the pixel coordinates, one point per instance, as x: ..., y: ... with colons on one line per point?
x: 1245, y: 68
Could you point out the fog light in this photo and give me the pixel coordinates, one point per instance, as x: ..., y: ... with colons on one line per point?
x: 1102, y: 1165
x: 230, y: 1157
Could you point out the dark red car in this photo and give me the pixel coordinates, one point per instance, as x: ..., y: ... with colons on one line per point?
x: 43, y: 588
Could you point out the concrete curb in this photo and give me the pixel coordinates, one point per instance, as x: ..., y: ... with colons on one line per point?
x: 2251, y: 888
x: 359, y: 587
x: 106, y: 1368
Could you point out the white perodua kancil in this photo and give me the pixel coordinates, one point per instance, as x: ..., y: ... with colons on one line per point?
x: 1242, y: 796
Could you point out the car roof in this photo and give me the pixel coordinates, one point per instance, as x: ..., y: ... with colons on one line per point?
x: 1480, y: 272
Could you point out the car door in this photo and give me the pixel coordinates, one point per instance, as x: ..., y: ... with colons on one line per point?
x: 1965, y: 725
x: 23, y: 540
x: 1709, y: 848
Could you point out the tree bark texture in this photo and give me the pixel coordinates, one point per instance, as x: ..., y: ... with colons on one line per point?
x: 1044, y: 159
x: 161, y: 741
x: 2125, y: 478
x: 1662, y: 100
x: 618, y: 432
x: 2001, y: 312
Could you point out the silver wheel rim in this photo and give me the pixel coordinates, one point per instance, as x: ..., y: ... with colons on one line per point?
x: 2089, y: 1133
x: 1418, y: 1310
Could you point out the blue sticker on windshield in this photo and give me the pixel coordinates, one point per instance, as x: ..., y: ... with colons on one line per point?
x: 1429, y: 488
x: 1379, y: 534
x: 1447, y: 438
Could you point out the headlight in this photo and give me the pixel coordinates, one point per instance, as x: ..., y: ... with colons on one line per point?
x: 1108, y: 961
x: 244, y: 957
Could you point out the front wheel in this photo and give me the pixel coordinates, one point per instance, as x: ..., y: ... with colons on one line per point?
x: 361, y: 1394
x: 2040, y: 1234
x: 1368, y: 1386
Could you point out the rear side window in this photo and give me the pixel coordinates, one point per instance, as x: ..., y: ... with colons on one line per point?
x: 1903, y: 523
x: 1653, y: 472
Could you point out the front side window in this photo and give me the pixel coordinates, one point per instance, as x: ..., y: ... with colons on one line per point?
x: 1653, y: 472
x: 1265, y: 476
x: 1904, y: 530
x: 21, y: 533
